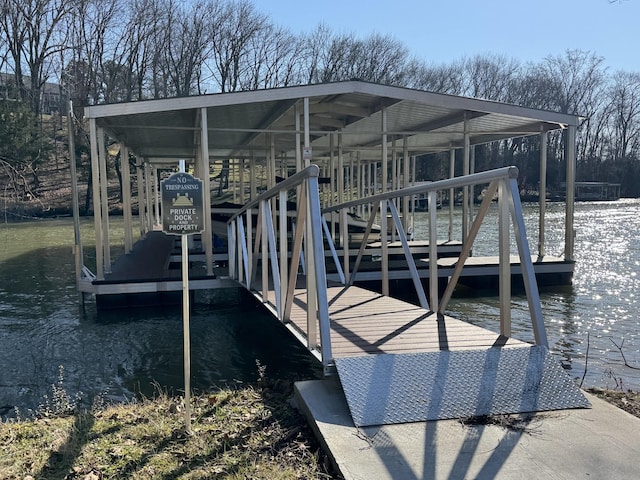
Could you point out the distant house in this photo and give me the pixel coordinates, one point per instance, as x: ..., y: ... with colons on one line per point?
x: 52, y: 98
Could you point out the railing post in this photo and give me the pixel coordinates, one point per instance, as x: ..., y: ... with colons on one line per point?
x: 433, y: 251
x: 504, y: 260
x: 231, y: 242
x: 273, y: 260
x: 528, y: 273
x: 245, y: 250
x: 250, y: 247
x: 384, y: 251
x: 312, y: 300
x: 319, y: 271
x: 284, y: 251
x: 264, y: 256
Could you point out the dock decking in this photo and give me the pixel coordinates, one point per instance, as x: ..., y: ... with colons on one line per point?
x: 151, y: 268
x: 398, y: 362
x: 364, y: 322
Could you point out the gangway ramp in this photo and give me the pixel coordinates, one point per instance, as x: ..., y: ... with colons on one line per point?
x: 399, y: 363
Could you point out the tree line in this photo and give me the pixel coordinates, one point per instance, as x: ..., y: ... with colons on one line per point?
x: 104, y: 51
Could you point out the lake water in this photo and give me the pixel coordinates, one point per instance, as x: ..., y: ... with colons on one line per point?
x: 120, y: 353
x: 117, y: 353
x: 602, y: 307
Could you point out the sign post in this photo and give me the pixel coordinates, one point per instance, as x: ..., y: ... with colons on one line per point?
x: 183, y: 214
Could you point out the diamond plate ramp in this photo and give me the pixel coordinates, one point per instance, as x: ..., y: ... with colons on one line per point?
x: 397, y: 388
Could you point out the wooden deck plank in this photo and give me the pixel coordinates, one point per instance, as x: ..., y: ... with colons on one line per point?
x: 147, y: 261
x: 364, y: 322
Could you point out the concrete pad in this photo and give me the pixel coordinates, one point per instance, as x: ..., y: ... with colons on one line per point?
x: 602, y: 442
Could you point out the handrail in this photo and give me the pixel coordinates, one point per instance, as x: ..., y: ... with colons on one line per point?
x: 503, y: 182
x: 287, y: 184
x: 271, y: 247
x: 455, y: 182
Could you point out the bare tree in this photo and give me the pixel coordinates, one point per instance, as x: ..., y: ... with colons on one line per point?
x: 13, y: 24
x: 444, y: 78
x: 625, y: 116
x: 336, y: 57
x: 141, y: 41
x: 490, y: 76
x: 272, y: 60
x: 91, y: 41
x: 185, y: 43
x: 313, y: 48
x: 231, y: 35
x: 36, y: 34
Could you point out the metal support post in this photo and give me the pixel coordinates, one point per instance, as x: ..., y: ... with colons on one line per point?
x: 504, y: 260
x: 542, y: 193
x: 104, y: 201
x: 570, y: 157
x: 97, y: 204
x: 126, y: 198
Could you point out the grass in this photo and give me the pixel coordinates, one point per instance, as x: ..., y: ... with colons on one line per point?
x: 628, y: 401
x: 250, y: 432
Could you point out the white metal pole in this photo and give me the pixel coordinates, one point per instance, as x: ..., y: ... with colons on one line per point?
x: 405, y: 183
x: 97, y: 205
x: 126, y: 198
x: 207, y: 235
x: 185, y: 326
x: 465, y: 189
x: 104, y: 201
x: 141, y: 200
x: 452, y: 191
x: 77, y: 246
x: 156, y: 191
x: 570, y: 156
x: 542, y: 193
x: 312, y: 294
x: 148, y: 196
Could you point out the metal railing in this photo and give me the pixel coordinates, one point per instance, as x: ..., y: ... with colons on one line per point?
x: 266, y: 251
x: 268, y: 248
x: 501, y: 182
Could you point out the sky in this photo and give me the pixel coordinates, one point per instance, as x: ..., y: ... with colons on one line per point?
x: 448, y: 30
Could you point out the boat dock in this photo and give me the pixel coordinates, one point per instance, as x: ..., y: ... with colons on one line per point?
x: 390, y: 364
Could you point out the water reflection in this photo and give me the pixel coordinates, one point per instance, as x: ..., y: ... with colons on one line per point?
x: 42, y: 324
x: 601, y: 306
x: 122, y: 352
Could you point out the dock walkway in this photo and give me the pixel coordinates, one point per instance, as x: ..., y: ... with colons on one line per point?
x: 364, y: 322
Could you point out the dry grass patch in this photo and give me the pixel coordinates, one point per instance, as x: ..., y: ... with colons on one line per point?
x: 628, y: 401
x: 245, y: 433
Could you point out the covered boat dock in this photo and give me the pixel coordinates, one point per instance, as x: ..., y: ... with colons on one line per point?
x: 366, y: 139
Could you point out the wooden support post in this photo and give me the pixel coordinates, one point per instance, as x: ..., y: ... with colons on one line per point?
x: 77, y: 245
